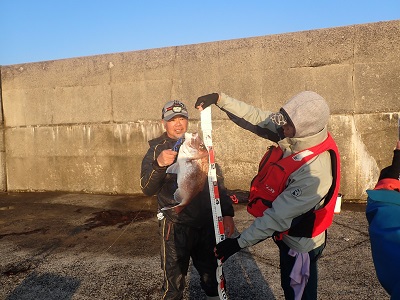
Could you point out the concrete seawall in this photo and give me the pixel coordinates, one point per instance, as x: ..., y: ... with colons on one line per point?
x: 82, y: 124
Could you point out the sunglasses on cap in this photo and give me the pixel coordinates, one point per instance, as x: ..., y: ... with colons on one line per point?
x: 172, y: 108
x: 175, y: 108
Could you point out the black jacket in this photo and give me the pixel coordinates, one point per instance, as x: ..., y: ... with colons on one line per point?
x: 155, y: 180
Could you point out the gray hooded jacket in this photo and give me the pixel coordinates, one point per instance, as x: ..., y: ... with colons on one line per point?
x: 306, y: 187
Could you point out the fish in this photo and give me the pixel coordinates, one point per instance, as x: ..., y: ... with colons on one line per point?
x: 191, y: 167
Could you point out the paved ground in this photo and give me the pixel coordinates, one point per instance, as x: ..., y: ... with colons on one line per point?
x: 84, y: 246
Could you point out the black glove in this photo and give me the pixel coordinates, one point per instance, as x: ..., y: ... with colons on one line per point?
x: 392, y: 171
x: 226, y: 248
x: 207, y: 100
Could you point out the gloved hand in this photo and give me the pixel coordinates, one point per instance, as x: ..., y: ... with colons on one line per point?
x: 226, y: 248
x: 392, y: 171
x: 206, y: 100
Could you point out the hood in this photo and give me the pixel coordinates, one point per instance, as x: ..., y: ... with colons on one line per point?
x: 308, y: 112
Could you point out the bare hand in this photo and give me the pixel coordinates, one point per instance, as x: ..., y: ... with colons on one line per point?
x: 229, y: 226
x: 166, y: 157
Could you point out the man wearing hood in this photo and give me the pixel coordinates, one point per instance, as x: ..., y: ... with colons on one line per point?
x: 292, y: 192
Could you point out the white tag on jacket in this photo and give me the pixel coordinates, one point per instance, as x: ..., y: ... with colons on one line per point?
x: 302, y: 154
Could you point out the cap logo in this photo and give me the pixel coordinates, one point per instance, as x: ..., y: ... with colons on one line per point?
x: 278, y: 118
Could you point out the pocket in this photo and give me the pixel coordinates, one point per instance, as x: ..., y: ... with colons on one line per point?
x: 264, y: 189
x: 270, y: 185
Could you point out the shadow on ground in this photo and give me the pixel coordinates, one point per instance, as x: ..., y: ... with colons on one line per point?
x: 85, y: 246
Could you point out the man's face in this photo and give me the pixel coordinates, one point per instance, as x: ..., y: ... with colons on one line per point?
x: 288, y: 130
x: 176, y: 127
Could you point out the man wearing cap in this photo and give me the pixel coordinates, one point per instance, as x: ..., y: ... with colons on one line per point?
x: 294, y: 193
x: 383, y: 215
x: 189, y: 233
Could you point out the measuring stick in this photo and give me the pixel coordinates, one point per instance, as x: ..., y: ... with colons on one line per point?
x: 206, y: 127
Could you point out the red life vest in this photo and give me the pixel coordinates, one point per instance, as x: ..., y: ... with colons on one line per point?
x: 271, y: 180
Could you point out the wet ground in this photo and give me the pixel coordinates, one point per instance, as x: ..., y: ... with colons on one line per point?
x: 85, y: 246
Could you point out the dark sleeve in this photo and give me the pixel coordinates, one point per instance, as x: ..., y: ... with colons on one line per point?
x: 226, y: 201
x: 152, y: 176
x: 261, y: 132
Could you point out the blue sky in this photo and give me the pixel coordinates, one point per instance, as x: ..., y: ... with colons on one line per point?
x: 40, y: 30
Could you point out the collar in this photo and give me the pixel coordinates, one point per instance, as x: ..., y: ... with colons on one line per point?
x: 162, y: 138
x: 299, y: 144
x: 388, y: 184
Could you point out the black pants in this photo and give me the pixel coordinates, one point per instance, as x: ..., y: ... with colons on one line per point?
x: 179, y: 243
x: 286, y: 264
